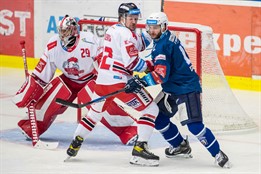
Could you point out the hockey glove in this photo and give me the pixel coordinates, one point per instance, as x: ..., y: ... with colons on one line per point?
x: 150, y: 66
x: 134, y: 85
x: 30, y: 91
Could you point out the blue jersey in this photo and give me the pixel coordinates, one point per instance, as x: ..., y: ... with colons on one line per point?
x: 172, y: 67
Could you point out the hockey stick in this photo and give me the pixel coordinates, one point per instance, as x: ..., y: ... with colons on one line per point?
x: 31, y: 113
x: 22, y: 43
x: 76, y: 105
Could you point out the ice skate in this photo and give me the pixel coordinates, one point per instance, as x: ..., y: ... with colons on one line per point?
x: 183, y: 150
x: 75, y: 146
x: 222, y: 160
x: 142, y: 156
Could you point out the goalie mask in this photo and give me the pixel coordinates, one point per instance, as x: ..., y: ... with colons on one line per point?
x: 68, y: 31
x: 160, y: 19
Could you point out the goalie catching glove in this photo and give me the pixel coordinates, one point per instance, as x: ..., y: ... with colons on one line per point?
x: 31, y: 90
x: 135, y: 84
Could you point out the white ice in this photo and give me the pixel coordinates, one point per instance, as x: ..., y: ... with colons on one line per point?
x: 105, y: 157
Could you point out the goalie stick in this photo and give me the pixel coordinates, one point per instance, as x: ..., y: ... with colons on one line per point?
x: 76, y: 105
x: 31, y: 113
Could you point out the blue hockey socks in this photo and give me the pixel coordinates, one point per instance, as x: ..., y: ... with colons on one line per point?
x: 168, y: 130
x: 205, y: 136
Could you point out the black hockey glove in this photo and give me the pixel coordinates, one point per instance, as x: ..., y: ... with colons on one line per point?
x: 134, y: 85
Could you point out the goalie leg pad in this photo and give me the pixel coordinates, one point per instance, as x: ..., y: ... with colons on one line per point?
x: 85, y: 94
x: 30, y: 91
x: 46, y: 108
x: 114, y: 118
x: 47, y: 105
x: 127, y: 134
x: 25, y: 127
x: 120, y: 123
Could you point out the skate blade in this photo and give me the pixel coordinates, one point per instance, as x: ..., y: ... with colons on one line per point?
x: 228, y: 165
x: 180, y: 156
x: 144, y: 162
x: 67, y: 159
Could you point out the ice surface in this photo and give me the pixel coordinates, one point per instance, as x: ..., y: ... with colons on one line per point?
x: 103, y: 153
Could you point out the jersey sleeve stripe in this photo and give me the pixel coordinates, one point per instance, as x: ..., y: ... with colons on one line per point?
x: 140, y: 66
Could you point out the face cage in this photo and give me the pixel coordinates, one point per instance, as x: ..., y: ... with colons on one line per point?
x: 66, y: 34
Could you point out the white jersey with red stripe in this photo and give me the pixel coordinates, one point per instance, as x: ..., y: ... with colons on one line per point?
x: 120, y: 56
x: 76, y: 63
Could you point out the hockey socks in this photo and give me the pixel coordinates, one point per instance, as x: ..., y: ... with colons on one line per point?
x: 168, y: 130
x: 205, y: 136
x: 145, y: 127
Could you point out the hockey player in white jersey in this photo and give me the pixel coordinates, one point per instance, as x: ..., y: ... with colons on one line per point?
x: 73, y: 53
x: 120, y: 60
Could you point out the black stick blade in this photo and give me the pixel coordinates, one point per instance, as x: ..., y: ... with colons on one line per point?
x: 66, y: 103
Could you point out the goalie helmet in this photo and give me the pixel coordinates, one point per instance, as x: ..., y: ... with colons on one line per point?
x: 128, y: 9
x: 68, y: 31
x: 159, y: 18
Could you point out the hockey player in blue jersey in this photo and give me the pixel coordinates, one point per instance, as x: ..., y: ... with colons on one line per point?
x: 180, y: 93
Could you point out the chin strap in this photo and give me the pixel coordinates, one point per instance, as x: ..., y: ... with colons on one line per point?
x: 123, y: 23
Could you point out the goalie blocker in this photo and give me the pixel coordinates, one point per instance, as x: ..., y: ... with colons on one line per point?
x: 115, y: 119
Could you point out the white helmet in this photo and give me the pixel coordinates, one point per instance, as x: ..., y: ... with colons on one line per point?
x: 68, y: 31
x: 159, y: 18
